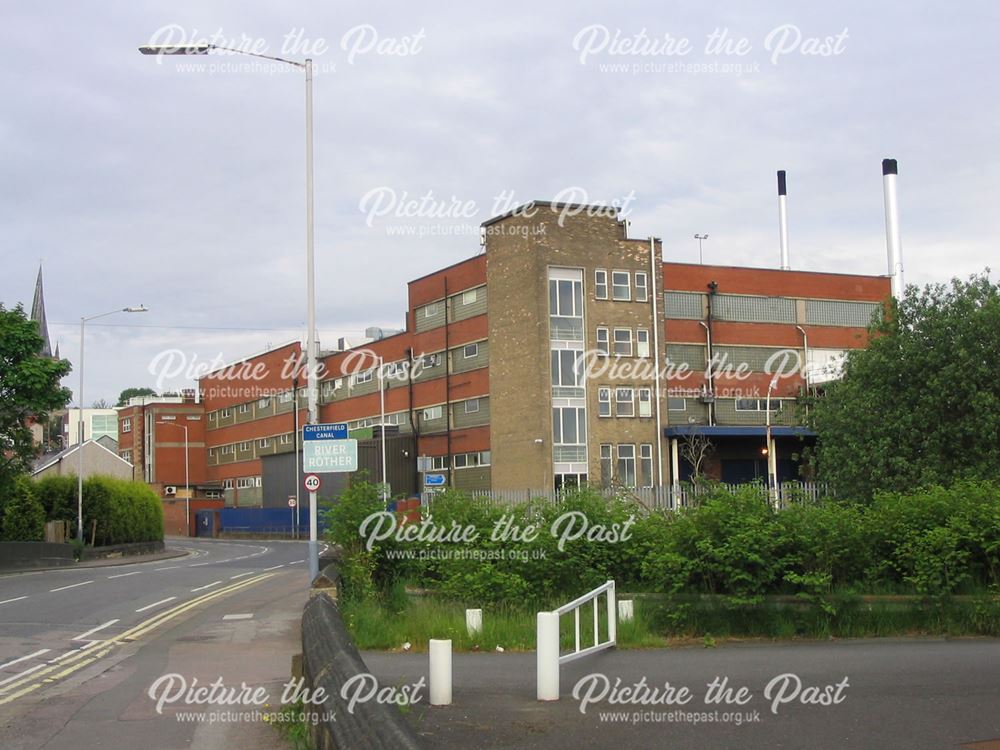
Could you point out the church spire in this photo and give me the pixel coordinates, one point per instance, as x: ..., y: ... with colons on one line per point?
x: 38, y: 315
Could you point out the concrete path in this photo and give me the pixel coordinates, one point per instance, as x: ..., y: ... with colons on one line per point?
x: 899, y: 694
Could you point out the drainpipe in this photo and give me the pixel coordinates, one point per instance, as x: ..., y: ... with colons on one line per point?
x: 805, y: 355
x: 413, y: 422
x: 712, y: 287
x: 656, y: 359
x: 447, y: 384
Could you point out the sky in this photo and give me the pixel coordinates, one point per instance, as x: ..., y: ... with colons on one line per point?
x: 178, y: 182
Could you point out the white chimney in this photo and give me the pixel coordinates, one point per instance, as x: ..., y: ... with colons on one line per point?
x: 783, y: 220
x: 893, y: 244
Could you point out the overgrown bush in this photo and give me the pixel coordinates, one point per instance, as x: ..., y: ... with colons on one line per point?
x: 23, y: 516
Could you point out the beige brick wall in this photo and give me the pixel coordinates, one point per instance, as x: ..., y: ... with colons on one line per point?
x: 520, y: 250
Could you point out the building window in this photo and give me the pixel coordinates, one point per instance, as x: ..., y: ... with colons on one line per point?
x: 285, y: 439
x: 567, y: 374
x: 264, y: 402
x: 569, y: 425
x: 469, y: 297
x: 439, y: 463
x: 601, y: 284
x: 623, y: 342
x: 470, y: 460
x: 607, y: 465
x: 604, y: 402
x: 431, y: 310
x: 677, y: 404
x: 565, y: 305
x: 244, y: 446
x: 621, y: 290
x: 211, y: 418
x: 626, y: 465
x: 227, y: 484
x: 472, y: 406
x: 263, y: 443
x: 602, y: 340
x: 127, y: 424
x: 244, y: 408
x: 484, y: 458
x: 432, y: 412
x: 226, y: 413
x: 757, y: 404
x: 363, y: 377
x: 624, y: 402
x: 646, y: 465
x: 470, y: 351
x: 645, y: 402
x: 257, y: 481
x: 642, y: 343
x: 641, y: 287
x: 126, y: 456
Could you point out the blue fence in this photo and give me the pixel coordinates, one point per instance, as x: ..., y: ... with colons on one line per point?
x: 265, y: 521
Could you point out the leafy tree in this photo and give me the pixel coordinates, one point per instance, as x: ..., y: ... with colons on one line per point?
x: 130, y: 393
x: 23, y: 515
x: 29, y: 387
x: 101, y: 403
x: 921, y: 405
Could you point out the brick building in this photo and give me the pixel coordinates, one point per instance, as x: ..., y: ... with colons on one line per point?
x: 552, y: 358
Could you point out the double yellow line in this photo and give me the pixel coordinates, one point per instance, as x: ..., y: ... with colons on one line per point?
x: 36, y: 679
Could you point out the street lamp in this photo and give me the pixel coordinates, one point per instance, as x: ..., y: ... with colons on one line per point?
x: 187, y: 483
x: 700, y: 237
x: 311, y: 346
x: 772, y: 457
x: 79, y: 440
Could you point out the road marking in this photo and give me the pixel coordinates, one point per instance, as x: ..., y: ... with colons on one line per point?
x: 296, y: 562
x: 23, y: 658
x: 156, y: 604
x: 250, y: 573
x: 238, y: 617
x: 22, y: 674
x: 273, y: 567
x: 122, y: 575
x: 106, y: 646
x: 169, y: 567
x: 71, y: 586
x: 83, y: 636
x: 206, y: 586
x: 15, y: 599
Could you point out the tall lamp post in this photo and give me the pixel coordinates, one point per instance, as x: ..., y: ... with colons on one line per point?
x: 772, y: 458
x: 80, y: 425
x: 187, y: 482
x: 311, y: 346
x: 700, y: 237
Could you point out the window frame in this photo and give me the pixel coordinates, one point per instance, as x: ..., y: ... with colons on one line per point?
x: 627, y: 285
x: 599, y: 274
x: 604, y: 391
x: 616, y: 342
x: 648, y: 401
x: 644, y: 286
x: 465, y: 351
x: 619, y: 389
x: 604, y: 347
x: 642, y: 342
x: 470, y: 402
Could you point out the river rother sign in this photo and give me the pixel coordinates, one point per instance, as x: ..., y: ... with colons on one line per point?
x: 327, y: 449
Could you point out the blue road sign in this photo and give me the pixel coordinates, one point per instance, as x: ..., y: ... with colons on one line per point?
x: 331, y: 431
x: 434, y: 480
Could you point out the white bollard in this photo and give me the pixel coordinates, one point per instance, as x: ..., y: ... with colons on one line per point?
x: 547, y: 656
x: 626, y: 610
x: 474, y: 621
x: 440, y: 687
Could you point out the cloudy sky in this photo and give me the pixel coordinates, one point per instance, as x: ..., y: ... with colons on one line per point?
x: 178, y: 183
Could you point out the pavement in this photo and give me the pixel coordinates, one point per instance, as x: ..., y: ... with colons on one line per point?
x: 81, y: 647
x: 900, y: 693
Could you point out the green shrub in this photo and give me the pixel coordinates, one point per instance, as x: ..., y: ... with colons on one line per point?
x: 23, y: 515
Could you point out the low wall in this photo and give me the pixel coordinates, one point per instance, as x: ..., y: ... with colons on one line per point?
x: 121, y: 550
x: 329, y: 658
x: 21, y: 555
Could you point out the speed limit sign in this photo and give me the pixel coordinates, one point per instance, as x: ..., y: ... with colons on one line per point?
x: 312, y: 482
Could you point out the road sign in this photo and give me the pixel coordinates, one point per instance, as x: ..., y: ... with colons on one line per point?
x: 331, y: 431
x: 434, y: 480
x: 329, y: 456
x: 291, y: 501
x: 312, y: 483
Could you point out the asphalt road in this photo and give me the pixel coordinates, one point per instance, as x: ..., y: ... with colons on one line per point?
x: 66, y: 634
x: 900, y: 693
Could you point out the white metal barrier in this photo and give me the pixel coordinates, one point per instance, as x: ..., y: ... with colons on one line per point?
x: 547, y: 654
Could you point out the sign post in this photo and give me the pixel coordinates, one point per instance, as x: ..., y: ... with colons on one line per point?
x: 325, y: 449
x: 291, y: 504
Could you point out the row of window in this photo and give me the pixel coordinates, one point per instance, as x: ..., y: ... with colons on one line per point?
x: 624, y: 286
x: 245, y: 445
x: 620, y: 464
x: 618, y: 341
x: 242, y: 483
x: 461, y: 460
x: 748, y: 308
x: 625, y: 400
x: 469, y: 297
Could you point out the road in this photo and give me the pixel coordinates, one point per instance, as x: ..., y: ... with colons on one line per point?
x: 900, y: 693
x: 72, y: 641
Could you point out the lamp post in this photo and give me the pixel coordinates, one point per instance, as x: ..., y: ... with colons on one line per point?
x: 772, y: 459
x: 381, y: 398
x: 700, y: 237
x: 80, y: 426
x: 187, y: 483
x: 311, y: 345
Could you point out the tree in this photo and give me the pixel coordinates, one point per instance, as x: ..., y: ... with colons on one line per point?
x: 130, y: 393
x: 694, y: 448
x: 29, y: 387
x: 101, y: 403
x: 23, y: 517
x: 920, y: 405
